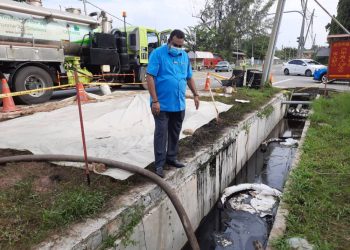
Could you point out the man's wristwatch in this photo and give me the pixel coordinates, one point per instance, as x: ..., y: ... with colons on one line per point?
x: 155, y: 101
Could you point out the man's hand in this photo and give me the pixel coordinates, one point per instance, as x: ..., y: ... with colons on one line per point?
x: 196, y: 101
x: 192, y: 86
x: 155, y: 108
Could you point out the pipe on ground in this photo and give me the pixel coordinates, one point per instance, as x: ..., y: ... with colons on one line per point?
x: 124, y: 166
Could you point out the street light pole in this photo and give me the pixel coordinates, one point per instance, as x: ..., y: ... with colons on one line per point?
x: 272, y: 44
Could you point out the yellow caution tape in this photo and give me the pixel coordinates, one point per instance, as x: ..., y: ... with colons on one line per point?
x: 114, y: 84
x: 27, y: 92
x: 220, y: 77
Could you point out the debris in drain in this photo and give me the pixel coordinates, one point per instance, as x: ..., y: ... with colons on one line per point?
x: 253, y: 197
x: 285, y: 141
x: 227, y: 228
x: 298, y: 112
x: 242, y: 231
x: 266, y: 143
x: 248, y: 211
x: 289, y: 142
x: 222, y: 241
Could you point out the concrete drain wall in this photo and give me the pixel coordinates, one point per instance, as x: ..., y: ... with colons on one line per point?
x: 146, y: 217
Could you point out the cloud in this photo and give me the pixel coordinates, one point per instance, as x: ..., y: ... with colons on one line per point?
x: 170, y: 14
x: 152, y: 13
x: 291, y: 22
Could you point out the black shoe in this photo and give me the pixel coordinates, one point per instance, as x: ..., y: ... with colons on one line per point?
x: 159, y: 172
x: 175, y: 164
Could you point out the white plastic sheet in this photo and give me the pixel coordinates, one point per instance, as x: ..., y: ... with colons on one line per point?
x: 119, y: 129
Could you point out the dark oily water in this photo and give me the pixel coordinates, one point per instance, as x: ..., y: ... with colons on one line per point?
x: 229, y: 229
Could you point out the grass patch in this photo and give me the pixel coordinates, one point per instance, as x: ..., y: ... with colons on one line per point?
x: 71, y: 205
x: 132, y: 217
x: 266, y: 112
x: 29, y: 213
x: 319, y: 191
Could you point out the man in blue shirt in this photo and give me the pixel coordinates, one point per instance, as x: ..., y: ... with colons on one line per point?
x: 168, y: 73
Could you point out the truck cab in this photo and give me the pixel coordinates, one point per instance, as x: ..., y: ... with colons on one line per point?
x: 141, y: 42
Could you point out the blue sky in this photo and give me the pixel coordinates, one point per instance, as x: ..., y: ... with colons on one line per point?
x: 172, y: 14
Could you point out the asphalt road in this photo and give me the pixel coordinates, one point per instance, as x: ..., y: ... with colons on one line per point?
x: 294, y: 81
x: 278, y: 78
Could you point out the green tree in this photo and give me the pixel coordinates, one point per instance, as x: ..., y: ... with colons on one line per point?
x: 286, y: 53
x: 224, y: 24
x: 343, y: 16
x: 256, y: 46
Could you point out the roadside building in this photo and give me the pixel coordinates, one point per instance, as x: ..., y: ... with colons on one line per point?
x: 308, y: 54
x: 203, y: 59
x: 322, y: 55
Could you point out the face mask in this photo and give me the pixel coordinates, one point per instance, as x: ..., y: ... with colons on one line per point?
x: 174, y: 51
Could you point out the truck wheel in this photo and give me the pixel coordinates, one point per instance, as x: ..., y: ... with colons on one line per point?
x: 324, y: 78
x: 308, y: 73
x: 30, y: 78
x: 141, y: 77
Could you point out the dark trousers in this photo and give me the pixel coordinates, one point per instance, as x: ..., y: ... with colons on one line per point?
x: 166, y: 136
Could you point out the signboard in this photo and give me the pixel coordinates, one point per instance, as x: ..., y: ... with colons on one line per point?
x: 339, y: 60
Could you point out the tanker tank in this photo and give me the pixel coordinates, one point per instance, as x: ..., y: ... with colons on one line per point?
x: 24, y: 24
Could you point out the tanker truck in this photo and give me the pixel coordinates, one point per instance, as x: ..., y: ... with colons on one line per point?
x: 41, y: 48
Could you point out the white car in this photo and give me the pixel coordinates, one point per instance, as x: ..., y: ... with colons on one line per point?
x: 301, y: 67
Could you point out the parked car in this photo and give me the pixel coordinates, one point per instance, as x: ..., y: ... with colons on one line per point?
x: 321, y: 75
x: 305, y: 67
x: 223, y: 66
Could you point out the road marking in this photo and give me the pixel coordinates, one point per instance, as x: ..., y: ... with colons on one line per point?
x: 283, y: 81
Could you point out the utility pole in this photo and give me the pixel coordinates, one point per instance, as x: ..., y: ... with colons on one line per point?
x: 272, y: 44
x: 84, y: 2
x: 301, y: 37
x: 314, y: 41
x: 289, y: 53
x: 308, y: 28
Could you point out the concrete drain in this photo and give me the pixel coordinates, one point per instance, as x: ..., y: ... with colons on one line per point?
x: 236, y: 225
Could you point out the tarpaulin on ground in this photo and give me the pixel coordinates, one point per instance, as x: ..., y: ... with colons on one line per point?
x: 120, y: 129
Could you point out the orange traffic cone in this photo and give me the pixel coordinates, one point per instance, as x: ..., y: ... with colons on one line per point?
x: 271, y: 79
x: 207, y: 82
x: 8, y: 104
x: 81, y: 92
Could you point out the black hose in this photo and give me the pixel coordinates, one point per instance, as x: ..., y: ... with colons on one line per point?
x: 124, y: 166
